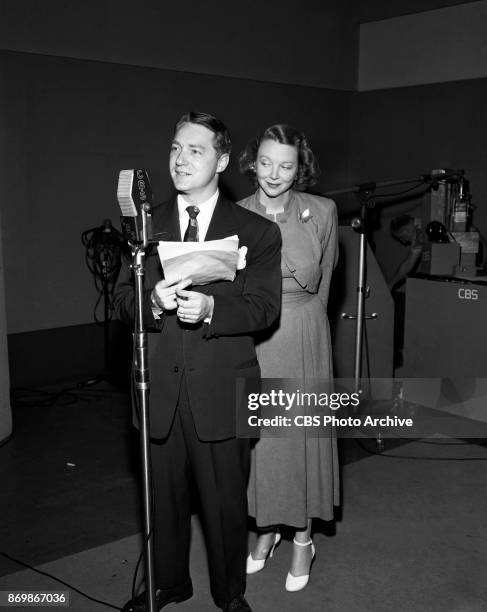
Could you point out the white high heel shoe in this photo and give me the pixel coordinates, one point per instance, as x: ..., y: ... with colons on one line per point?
x: 255, y: 565
x: 296, y: 583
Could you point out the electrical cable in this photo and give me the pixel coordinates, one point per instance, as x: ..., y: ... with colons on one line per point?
x: 32, y: 397
x: 51, y: 398
x: 400, y: 193
x: 367, y: 352
x: 136, y: 571
x: 104, y: 247
x: 441, y: 443
x: 67, y: 584
x: 419, y: 458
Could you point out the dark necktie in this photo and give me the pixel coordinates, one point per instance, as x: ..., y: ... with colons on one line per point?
x: 191, y: 233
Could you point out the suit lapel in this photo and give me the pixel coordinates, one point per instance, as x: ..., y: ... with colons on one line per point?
x: 165, y: 221
x: 223, y: 222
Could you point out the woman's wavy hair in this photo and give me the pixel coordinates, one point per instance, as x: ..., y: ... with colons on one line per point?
x: 308, y: 168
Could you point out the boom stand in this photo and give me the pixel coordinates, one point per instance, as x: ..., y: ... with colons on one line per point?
x: 365, y: 195
x: 142, y: 394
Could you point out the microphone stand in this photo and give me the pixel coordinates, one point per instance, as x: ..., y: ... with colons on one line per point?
x: 142, y: 393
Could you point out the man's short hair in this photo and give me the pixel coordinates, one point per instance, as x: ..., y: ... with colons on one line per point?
x: 223, y: 142
x: 398, y: 223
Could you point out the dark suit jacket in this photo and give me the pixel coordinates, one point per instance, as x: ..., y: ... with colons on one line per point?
x: 211, y: 356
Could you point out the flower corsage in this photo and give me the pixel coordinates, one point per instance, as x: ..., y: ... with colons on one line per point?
x: 305, y: 216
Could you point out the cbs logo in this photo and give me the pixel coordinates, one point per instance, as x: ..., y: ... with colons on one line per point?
x: 468, y: 294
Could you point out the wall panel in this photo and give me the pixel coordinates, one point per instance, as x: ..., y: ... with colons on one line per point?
x: 448, y: 44
x: 278, y: 41
x: 403, y: 133
x: 72, y: 125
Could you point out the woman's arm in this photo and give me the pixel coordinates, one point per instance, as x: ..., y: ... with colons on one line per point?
x: 329, y: 249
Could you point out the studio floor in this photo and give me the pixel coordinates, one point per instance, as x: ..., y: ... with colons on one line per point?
x: 410, y: 534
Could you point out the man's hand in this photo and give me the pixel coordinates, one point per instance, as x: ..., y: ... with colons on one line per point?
x: 193, y: 306
x: 164, y: 293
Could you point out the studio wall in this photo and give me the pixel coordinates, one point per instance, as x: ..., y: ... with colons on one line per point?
x: 427, y: 110
x: 93, y: 91
x: 377, y: 10
x: 405, y: 132
x: 312, y: 43
x: 5, y: 412
x: 71, y: 125
x: 447, y: 44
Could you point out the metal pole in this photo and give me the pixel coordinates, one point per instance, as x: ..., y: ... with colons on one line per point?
x: 365, y: 196
x: 142, y: 391
x: 106, y: 316
x: 360, y: 225
x: 360, y: 313
x: 427, y: 179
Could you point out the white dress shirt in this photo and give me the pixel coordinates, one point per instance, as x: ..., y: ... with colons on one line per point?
x: 203, y: 218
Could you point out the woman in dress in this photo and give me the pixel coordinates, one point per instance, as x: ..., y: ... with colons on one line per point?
x: 293, y: 480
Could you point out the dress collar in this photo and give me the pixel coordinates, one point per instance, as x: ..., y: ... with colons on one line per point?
x: 280, y: 217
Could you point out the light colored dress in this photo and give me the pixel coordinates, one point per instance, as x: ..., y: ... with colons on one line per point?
x: 296, y: 478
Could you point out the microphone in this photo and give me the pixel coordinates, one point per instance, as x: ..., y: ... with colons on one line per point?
x: 134, y: 194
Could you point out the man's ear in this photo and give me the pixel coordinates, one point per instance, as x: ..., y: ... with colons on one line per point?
x: 222, y: 162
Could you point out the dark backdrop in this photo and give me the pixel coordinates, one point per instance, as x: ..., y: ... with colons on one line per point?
x: 402, y: 133
x: 71, y: 125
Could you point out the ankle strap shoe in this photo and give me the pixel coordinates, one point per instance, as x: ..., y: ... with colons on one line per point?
x: 296, y: 583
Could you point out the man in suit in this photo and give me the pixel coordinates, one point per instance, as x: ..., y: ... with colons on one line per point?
x: 202, y: 342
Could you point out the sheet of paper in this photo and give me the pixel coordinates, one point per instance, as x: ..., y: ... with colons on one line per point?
x: 202, y: 262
